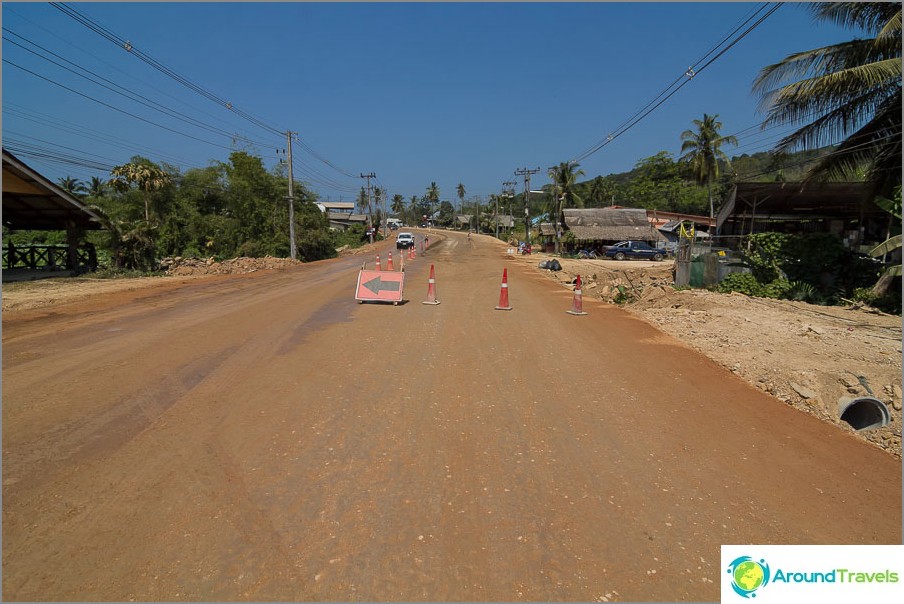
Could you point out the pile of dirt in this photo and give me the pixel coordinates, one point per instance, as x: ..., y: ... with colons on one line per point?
x: 813, y: 358
x: 186, y: 267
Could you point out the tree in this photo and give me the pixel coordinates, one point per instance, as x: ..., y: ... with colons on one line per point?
x: 564, y: 180
x: 431, y: 199
x: 398, y: 204
x: 702, y: 152
x: 73, y: 186
x: 146, y: 176
x: 97, y: 187
x: 460, y: 191
x: 849, y: 91
x: 893, y: 207
x: 433, y: 193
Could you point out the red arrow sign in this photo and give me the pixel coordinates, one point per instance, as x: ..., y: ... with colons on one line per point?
x: 382, y: 286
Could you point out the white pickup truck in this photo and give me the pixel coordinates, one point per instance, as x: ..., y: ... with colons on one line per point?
x: 404, y: 241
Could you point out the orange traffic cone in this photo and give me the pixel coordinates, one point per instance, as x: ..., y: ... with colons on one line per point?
x: 431, y: 289
x: 378, y: 263
x: 389, y: 263
x: 413, y: 252
x: 503, y: 294
x: 577, y: 306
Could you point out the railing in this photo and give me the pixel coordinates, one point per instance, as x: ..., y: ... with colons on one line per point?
x: 50, y: 257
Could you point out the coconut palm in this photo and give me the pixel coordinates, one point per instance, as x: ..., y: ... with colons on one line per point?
x: 398, y: 204
x: 848, y: 92
x: 702, y: 152
x: 460, y: 191
x: 73, y: 186
x: 97, y: 187
x: 893, y: 207
x: 433, y: 192
x: 147, y: 177
x: 432, y: 196
x: 564, y: 179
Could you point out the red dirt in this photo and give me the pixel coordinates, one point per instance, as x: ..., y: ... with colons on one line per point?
x: 264, y: 437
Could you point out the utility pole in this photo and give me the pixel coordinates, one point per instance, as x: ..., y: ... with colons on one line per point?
x: 368, y: 177
x: 526, y: 173
x: 508, y: 188
x: 385, y: 221
x: 293, y: 251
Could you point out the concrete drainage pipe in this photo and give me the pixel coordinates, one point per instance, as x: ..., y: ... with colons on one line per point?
x: 864, y: 413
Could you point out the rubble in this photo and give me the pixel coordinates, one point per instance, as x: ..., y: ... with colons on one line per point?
x: 182, y: 267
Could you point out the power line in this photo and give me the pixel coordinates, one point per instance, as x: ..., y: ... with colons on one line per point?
x: 115, y: 68
x: 142, y: 56
x: 129, y: 47
x: 87, y: 133
x: 689, y: 75
x: 128, y: 93
x: 138, y: 117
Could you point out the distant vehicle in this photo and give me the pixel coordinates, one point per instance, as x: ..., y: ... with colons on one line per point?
x: 634, y: 249
x: 404, y: 241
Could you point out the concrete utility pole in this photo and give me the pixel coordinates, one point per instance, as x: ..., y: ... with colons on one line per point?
x: 293, y: 250
x: 368, y: 177
x: 508, y: 188
x: 385, y: 221
x: 526, y: 173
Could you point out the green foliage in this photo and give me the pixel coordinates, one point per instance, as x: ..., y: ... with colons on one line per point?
x: 815, y: 268
x: 744, y: 283
x: 776, y: 289
x: 623, y: 296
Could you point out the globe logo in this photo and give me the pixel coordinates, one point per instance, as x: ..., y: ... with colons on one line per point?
x: 748, y: 575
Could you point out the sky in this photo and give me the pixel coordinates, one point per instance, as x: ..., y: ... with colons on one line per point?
x: 413, y: 92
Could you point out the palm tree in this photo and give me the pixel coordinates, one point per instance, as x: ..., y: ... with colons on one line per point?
x: 460, y: 191
x: 849, y: 91
x: 148, y: 177
x: 702, y: 152
x: 564, y: 180
x: 97, y: 187
x: 432, y: 196
x: 398, y: 204
x: 363, y: 201
x: 73, y: 186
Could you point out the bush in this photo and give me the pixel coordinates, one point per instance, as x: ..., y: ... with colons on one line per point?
x: 777, y: 288
x: 744, y: 283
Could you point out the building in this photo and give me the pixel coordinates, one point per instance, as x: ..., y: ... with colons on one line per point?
x: 31, y: 202
x: 842, y: 208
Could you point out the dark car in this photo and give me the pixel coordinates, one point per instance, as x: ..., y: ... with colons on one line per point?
x: 634, y: 249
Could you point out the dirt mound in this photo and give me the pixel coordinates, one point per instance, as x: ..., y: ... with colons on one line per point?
x: 182, y: 267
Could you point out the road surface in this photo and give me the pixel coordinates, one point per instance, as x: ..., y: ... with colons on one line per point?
x: 265, y: 437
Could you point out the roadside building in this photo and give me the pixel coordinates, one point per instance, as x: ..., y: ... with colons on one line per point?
x: 31, y: 202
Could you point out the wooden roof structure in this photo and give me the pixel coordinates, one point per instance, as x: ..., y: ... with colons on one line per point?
x: 32, y: 202
x: 796, y: 201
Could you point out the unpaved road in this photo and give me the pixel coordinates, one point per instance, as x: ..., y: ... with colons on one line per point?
x: 264, y: 437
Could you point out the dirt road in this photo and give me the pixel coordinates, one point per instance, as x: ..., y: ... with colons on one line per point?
x: 264, y: 437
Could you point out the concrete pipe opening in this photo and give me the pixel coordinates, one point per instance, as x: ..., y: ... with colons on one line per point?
x: 865, y: 413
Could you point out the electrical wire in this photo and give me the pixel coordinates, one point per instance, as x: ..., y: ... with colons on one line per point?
x: 690, y: 74
x: 117, y: 69
x: 128, y: 93
x: 129, y: 47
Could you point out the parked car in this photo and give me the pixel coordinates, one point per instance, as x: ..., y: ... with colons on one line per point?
x: 634, y: 249
x: 404, y: 241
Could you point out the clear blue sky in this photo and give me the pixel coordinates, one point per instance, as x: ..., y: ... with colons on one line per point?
x: 416, y: 92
